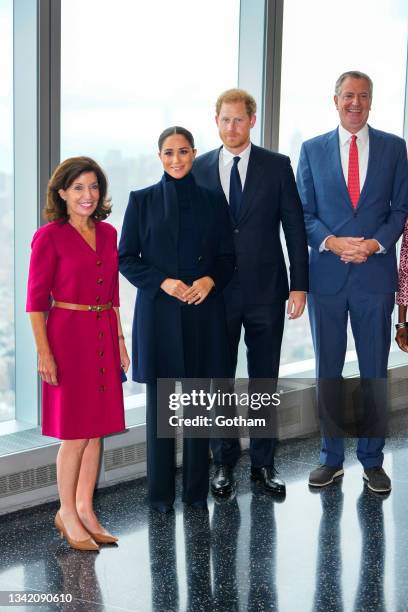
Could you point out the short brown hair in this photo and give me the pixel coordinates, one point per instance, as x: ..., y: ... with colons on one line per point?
x: 63, y: 177
x: 236, y: 95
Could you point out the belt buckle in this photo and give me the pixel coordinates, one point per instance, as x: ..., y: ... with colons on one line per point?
x: 94, y: 308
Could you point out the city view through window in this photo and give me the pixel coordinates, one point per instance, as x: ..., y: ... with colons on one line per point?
x: 142, y: 75
x: 149, y: 66
x: 7, y: 352
x: 307, y: 88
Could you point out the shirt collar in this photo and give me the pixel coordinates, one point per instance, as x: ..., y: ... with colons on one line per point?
x: 345, y: 135
x: 227, y: 156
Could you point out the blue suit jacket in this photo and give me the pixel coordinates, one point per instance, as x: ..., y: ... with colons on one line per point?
x: 270, y: 198
x: 380, y: 212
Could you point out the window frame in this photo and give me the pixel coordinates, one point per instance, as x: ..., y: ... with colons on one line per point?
x: 37, y: 105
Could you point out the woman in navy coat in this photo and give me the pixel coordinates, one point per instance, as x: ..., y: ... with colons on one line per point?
x: 177, y: 249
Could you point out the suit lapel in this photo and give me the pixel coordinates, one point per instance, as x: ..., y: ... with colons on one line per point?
x: 336, y: 169
x: 214, y: 173
x: 375, y: 144
x: 253, y: 177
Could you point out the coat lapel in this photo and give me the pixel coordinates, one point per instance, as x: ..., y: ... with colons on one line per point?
x: 168, y: 201
x: 167, y: 195
x: 202, y: 213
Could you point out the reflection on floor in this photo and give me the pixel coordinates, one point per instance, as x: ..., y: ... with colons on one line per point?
x: 343, y: 548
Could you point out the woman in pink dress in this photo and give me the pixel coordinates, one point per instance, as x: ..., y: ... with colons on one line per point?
x: 401, y: 337
x: 73, y: 301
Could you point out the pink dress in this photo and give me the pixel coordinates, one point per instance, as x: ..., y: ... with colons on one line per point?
x: 402, y: 295
x: 88, y: 401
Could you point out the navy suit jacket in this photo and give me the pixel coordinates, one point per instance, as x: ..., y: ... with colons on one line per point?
x: 380, y: 212
x: 270, y: 198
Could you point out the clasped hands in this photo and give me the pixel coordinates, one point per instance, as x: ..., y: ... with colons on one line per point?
x: 352, y: 250
x: 194, y: 294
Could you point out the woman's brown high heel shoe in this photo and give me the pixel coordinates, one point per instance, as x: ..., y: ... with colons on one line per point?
x: 88, y: 544
x: 104, y: 538
x: 100, y: 538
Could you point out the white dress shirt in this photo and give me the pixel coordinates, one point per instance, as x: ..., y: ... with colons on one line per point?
x: 226, y: 162
x: 363, y: 145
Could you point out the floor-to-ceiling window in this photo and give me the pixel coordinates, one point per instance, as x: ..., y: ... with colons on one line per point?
x: 321, y: 40
x: 7, y: 342
x: 130, y: 69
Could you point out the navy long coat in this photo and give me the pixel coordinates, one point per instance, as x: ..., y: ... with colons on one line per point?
x: 148, y: 255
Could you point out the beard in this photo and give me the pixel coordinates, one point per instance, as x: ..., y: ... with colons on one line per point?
x: 234, y: 140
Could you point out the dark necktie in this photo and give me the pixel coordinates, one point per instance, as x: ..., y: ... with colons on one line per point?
x: 235, y: 192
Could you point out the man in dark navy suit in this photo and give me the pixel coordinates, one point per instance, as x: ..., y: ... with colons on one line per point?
x: 260, y: 189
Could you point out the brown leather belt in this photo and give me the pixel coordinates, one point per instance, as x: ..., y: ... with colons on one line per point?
x: 69, y: 306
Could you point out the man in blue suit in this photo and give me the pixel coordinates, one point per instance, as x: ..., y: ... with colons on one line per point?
x: 353, y: 184
x: 260, y: 189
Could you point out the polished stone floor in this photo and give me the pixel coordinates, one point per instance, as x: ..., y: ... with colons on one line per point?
x: 343, y: 548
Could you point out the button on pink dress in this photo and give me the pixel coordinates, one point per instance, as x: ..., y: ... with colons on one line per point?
x: 88, y: 401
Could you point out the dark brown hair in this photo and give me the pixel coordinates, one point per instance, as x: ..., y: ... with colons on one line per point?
x: 175, y: 129
x: 63, y: 177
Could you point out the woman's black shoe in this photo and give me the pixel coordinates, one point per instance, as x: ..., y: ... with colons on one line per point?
x: 162, y: 508
x: 199, y: 505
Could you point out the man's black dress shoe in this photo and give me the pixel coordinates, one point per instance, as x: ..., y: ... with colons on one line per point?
x: 266, y: 476
x: 222, y: 483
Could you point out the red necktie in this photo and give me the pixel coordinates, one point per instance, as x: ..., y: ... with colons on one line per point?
x: 353, y: 182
